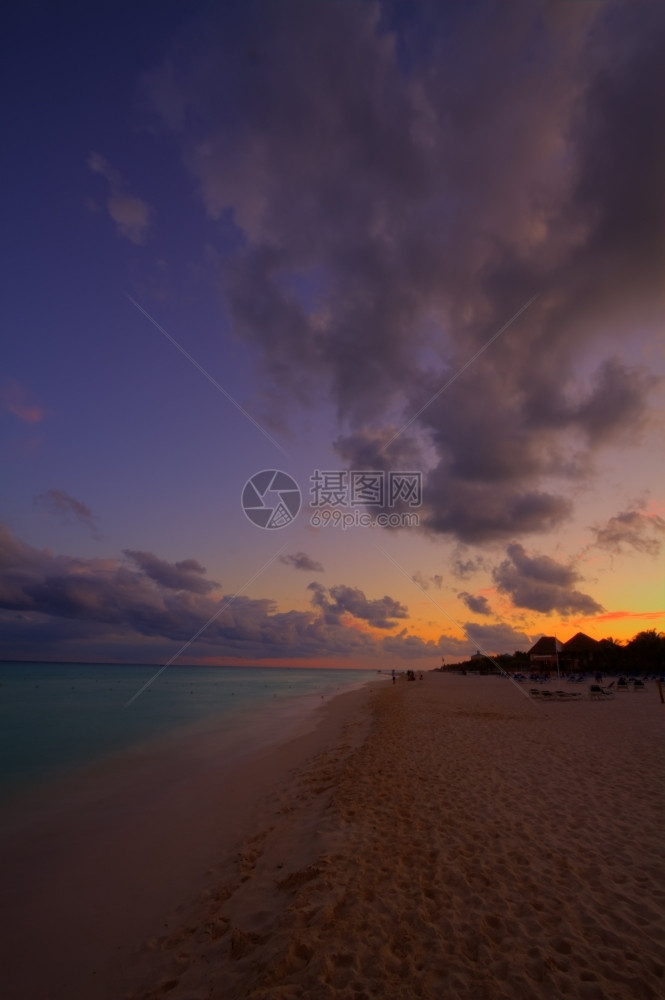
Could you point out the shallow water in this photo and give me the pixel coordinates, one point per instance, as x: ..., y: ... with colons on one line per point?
x: 58, y: 718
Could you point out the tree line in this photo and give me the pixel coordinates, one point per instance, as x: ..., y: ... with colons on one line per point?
x: 644, y: 653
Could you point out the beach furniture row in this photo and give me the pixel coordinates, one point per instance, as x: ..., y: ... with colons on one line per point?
x: 596, y: 691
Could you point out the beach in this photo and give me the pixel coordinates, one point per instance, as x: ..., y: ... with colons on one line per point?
x: 443, y: 838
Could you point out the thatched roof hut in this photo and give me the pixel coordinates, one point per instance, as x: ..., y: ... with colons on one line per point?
x: 545, y: 652
x: 580, y: 651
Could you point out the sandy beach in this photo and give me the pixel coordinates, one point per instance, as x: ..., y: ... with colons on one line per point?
x: 444, y: 838
x: 93, y: 863
x: 474, y: 845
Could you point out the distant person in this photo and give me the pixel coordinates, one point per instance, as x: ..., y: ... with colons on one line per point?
x: 394, y: 678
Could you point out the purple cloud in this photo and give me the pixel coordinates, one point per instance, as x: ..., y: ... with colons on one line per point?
x: 161, y: 601
x: 478, y: 604
x: 300, y: 560
x: 542, y: 584
x: 381, y: 613
x: 631, y: 529
x: 380, y: 247
x: 67, y: 507
x: 184, y: 575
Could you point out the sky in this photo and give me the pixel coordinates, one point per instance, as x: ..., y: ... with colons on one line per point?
x: 406, y: 257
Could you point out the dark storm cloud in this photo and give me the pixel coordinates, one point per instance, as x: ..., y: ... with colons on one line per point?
x: 478, y: 604
x: 624, y: 98
x: 300, y: 560
x: 479, y: 512
x: 495, y: 449
x: 613, y: 406
x: 381, y: 613
x: 69, y: 599
x: 631, y: 529
x: 66, y: 507
x: 369, y: 449
x: 184, y: 575
x: 542, y: 584
x: 403, y: 181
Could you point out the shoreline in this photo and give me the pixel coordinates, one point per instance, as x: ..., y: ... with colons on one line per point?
x: 97, y: 861
x: 38, y: 753
x: 438, y: 838
x: 472, y: 844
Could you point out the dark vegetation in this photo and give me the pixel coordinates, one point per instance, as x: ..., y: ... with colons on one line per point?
x: 643, y: 654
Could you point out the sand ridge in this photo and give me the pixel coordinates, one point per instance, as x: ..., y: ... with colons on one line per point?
x: 473, y: 845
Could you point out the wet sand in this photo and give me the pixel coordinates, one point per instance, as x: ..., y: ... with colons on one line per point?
x: 96, y: 865
x: 444, y: 838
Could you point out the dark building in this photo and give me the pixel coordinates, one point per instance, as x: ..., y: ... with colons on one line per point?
x: 545, y: 653
x: 579, y: 652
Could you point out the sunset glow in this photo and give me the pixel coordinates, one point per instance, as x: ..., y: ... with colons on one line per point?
x: 345, y: 238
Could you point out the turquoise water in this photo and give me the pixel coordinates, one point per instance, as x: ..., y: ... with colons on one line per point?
x: 57, y: 718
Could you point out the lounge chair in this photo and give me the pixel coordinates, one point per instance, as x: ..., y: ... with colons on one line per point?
x: 622, y: 684
x: 597, y: 693
x: 638, y: 685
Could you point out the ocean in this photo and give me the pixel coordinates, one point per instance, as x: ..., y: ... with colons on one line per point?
x: 56, y: 719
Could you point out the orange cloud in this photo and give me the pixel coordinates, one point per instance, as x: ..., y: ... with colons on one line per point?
x: 626, y: 623
x: 619, y: 615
